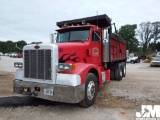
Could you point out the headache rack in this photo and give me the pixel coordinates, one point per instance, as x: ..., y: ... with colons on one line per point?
x: 102, y: 21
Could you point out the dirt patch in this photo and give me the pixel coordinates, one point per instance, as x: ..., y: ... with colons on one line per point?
x: 107, y: 100
x: 6, y: 83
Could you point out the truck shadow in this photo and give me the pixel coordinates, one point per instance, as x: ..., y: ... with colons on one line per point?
x: 19, y: 101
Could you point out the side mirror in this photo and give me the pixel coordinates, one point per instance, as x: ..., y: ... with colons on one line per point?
x: 116, y: 31
x: 53, y: 37
x: 107, y: 36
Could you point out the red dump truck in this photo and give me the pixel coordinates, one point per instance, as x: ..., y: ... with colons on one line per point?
x: 86, y: 54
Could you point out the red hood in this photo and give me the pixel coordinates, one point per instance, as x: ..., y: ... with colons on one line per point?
x: 71, y: 52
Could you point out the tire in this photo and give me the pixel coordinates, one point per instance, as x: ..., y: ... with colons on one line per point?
x: 91, y: 88
x: 123, y: 69
x: 118, y: 73
x: 112, y: 75
x: 132, y: 62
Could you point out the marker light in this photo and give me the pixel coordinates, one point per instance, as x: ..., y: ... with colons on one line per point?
x: 36, y: 47
x: 65, y: 24
x: 83, y: 22
x: 37, y: 89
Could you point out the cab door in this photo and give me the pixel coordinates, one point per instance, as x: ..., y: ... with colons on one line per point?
x: 96, y: 43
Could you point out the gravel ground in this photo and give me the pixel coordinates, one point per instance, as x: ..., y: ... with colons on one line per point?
x: 117, y: 100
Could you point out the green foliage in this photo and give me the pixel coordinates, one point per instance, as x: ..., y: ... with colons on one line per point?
x: 21, y: 44
x: 128, y: 33
x: 143, y: 54
x: 36, y: 42
x: 10, y: 46
x: 147, y: 32
x: 153, y: 46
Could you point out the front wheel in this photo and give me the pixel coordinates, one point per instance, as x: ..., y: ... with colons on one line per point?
x: 91, y: 88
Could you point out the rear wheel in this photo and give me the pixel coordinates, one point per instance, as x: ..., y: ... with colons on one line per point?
x: 91, y: 88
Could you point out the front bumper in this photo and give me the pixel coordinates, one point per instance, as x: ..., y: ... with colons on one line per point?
x: 61, y: 93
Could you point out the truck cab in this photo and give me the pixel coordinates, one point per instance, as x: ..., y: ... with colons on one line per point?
x: 84, y: 56
x: 80, y: 44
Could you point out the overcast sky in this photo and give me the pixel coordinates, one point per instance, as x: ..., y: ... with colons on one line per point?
x: 35, y: 20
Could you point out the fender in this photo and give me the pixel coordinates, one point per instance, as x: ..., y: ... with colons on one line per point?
x: 82, y: 69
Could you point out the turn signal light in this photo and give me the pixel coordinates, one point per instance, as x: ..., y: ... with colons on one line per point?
x: 73, y: 66
x: 36, y: 47
x: 37, y: 89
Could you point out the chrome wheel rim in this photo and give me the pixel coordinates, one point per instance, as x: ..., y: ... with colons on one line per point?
x: 120, y: 72
x: 91, y: 90
x: 124, y: 70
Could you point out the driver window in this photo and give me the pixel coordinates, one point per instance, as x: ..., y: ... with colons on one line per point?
x: 95, y: 36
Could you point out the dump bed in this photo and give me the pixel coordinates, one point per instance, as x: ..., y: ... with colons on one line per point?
x: 102, y: 21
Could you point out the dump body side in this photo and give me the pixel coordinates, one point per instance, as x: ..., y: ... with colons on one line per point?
x: 117, y: 48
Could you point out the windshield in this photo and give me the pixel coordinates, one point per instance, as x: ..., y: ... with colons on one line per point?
x: 73, y: 35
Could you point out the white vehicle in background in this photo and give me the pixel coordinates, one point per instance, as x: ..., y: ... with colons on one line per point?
x: 155, y: 61
x: 1, y: 54
x: 157, y: 53
x: 133, y: 59
x: 13, y: 54
x: 6, y: 54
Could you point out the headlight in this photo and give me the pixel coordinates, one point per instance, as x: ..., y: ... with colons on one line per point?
x: 63, y: 67
x: 18, y: 64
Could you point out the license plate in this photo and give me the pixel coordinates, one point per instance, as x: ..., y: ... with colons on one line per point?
x: 48, y: 92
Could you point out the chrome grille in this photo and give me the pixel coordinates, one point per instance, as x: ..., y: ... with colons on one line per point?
x: 37, y: 64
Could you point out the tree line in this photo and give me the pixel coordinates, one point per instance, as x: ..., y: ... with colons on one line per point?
x: 10, y: 46
x: 142, y: 39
